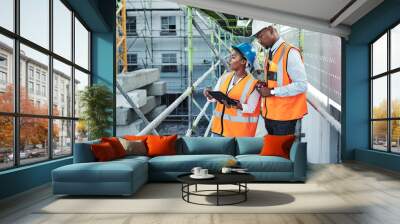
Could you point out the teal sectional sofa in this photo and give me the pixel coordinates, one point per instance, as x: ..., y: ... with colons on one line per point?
x: 125, y: 176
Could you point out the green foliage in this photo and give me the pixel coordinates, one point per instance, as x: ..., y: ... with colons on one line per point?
x: 96, y: 102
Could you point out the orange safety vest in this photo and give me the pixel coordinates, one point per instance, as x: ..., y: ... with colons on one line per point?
x: 287, y: 107
x: 232, y: 122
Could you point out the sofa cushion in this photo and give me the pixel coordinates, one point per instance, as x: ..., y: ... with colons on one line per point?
x: 116, y: 145
x: 257, y: 163
x: 206, y: 145
x: 185, y: 163
x: 103, y: 152
x: 83, y: 152
x: 277, y: 145
x: 134, y: 147
x: 112, y: 171
x: 161, y: 145
x: 249, y: 145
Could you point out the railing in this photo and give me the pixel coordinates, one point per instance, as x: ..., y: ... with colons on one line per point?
x: 157, y: 121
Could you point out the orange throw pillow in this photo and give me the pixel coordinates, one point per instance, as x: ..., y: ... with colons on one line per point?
x: 277, y: 145
x: 116, y: 145
x: 161, y: 145
x: 103, y: 152
x: 136, y: 137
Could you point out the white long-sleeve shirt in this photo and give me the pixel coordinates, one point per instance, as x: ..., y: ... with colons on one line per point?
x: 252, y: 102
x: 296, y: 71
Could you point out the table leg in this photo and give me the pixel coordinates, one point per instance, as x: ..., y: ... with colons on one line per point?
x: 217, y: 194
x: 245, y: 193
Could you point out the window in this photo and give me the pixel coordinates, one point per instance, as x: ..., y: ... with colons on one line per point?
x: 43, y: 90
x: 385, y: 96
x: 6, y: 74
x: 3, y: 78
x: 7, y: 14
x: 3, y: 73
x: 30, y: 87
x: 45, y: 131
x: 131, y: 26
x: 81, y: 45
x: 30, y: 73
x: 169, y: 63
x: 61, y: 73
x: 62, y: 29
x: 132, y: 62
x: 38, y: 89
x: 168, y: 25
x: 81, y: 82
x: 35, y: 21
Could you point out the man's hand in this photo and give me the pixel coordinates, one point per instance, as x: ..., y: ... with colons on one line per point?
x: 265, y: 91
x: 207, y: 94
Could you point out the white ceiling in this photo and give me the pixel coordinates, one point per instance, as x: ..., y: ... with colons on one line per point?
x: 315, y: 15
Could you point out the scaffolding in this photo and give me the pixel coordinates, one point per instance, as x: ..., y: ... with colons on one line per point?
x: 219, y: 41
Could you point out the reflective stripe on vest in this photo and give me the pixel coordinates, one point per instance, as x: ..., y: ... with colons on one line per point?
x: 288, y: 107
x: 233, y: 122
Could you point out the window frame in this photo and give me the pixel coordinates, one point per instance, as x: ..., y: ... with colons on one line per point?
x: 169, y: 31
x: 16, y: 115
x: 130, y: 24
x: 388, y: 74
x: 166, y: 64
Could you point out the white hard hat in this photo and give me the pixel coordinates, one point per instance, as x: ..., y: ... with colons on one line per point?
x: 258, y: 25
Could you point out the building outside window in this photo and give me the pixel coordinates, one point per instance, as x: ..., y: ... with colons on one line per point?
x: 132, y: 62
x: 131, y: 26
x: 168, y: 25
x: 169, y: 63
x: 385, y: 94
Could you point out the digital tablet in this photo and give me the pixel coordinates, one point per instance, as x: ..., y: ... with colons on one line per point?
x: 219, y: 96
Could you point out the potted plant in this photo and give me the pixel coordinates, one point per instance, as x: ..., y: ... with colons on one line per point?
x: 96, y: 103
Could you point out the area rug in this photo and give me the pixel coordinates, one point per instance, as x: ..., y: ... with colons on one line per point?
x: 167, y: 198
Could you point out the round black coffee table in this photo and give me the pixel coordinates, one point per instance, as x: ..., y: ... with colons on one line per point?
x: 238, y: 179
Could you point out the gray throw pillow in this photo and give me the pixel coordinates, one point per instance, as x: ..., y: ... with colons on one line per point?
x: 137, y: 147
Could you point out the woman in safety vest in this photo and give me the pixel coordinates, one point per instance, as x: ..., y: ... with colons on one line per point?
x: 240, y: 119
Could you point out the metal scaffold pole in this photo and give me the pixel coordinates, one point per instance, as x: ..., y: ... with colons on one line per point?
x: 190, y: 62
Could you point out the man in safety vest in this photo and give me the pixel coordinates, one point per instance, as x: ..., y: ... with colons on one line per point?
x: 284, y: 90
x: 239, y: 120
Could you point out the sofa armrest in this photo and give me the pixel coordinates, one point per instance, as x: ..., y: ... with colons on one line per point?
x: 83, y: 152
x: 298, y: 155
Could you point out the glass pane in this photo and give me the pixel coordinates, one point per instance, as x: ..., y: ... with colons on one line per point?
x: 6, y: 74
x: 81, y: 81
x: 379, y: 97
x: 81, y: 131
x: 62, y: 29
x: 7, y: 14
x: 62, y: 89
x: 379, y: 55
x: 34, y: 97
x: 395, y: 47
x: 35, y: 21
x: 33, y: 139
x: 62, y: 138
x: 81, y: 45
x: 395, y: 135
x: 6, y: 142
x: 379, y: 135
x: 395, y: 94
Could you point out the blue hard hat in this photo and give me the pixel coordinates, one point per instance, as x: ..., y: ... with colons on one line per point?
x: 247, y: 50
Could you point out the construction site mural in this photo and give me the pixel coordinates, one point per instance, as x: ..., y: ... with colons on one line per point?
x: 196, y: 72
